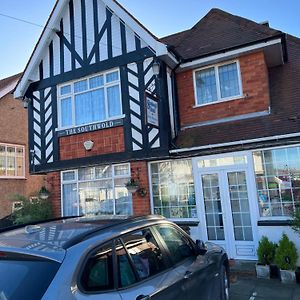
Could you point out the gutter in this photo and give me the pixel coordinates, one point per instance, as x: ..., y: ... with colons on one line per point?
x: 250, y: 141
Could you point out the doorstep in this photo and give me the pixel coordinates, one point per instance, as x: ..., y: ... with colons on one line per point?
x: 241, y: 268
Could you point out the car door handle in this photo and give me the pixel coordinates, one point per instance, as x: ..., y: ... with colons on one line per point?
x: 143, y: 297
x: 188, y: 275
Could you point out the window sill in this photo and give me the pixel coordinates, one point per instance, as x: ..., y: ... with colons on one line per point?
x: 274, y: 222
x: 239, y: 97
x: 11, y: 177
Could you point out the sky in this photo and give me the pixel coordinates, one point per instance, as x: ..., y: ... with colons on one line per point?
x: 161, y: 17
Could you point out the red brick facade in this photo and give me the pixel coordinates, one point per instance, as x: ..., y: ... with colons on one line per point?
x: 14, y: 130
x: 141, y: 204
x: 255, y: 85
x: 54, y: 186
x: 105, y: 141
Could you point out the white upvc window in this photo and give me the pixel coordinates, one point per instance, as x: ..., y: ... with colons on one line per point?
x: 90, y: 100
x: 12, y: 161
x: 96, y: 190
x: 221, y: 82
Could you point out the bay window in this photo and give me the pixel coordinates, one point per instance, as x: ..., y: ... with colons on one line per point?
x: 217, y: 83
x: 93, y: 99
x: 96, y: 190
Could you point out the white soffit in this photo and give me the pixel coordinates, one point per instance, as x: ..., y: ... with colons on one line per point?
x: 273, y: 44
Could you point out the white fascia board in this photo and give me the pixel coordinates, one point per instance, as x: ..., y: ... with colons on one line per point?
x: 159, y: 48
x: 230, y: 53
x: 242, y: 142
x: 47, y: 33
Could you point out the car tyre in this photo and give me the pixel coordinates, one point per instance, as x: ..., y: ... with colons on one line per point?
x: 224, y: 283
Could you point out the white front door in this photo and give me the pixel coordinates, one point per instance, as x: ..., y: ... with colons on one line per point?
x: 226, y: 215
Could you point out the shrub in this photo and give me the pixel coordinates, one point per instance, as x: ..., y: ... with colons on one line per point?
x: 286, y: 254
x: 32, y: 211
x: 266, y: 251
x: 296, y: 219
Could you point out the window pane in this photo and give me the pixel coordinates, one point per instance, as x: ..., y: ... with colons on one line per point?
x: 114, y: 76
x: 229, y: 82
x: 67, y: 176
x: 11, y: 167
x: 98, y: 272
x: 86, y: 174
x: 123, y: 198
x: 70, y: 206
x: 173, y: 189
x: 90, y: 107
x: 20, y: 166
x: 113, y: 98
x: 179, y: 247
x: 80, y: 86
x: 2, y: 160
x: 121, y: 170
x: 206, y: 86
x: 103, y: 172
x: 66, y: 112
x: 145, y: 253
x: 277, y: 180
x: 65, y: 90
x: 96, y: 81
x: 125, y: 271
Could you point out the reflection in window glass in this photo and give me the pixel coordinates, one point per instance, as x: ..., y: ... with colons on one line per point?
x: 100, y: 191
x: 178, y: 246
x: 125, y: 272
x: 145, y: 253
x: 173, y: 189
x: 229, y: 82
x: 277, y: 174
x: 98, y: 272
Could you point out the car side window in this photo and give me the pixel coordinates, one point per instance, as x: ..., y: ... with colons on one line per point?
x: 98, y: 272
x: 178, y: 245
x: 145, y: 253
x: 126, y: 275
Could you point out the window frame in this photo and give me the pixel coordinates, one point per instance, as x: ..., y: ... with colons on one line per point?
x: 218, y: 87
x: 165, y: 246
x: 72, y: 94
x: 15, y: 157
x: 76, y: 181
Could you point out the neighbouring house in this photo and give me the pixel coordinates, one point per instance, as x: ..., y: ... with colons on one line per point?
x: 205, y: 121
x: 14, y: 160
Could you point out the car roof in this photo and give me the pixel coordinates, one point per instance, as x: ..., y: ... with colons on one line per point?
x: 51, y: 239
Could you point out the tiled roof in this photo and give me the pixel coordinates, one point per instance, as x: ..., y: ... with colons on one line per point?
x: 7, y: 85
x: 283, y: 119
x: 215, y: 32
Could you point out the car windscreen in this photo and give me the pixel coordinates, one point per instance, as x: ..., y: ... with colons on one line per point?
x: 26, y: 279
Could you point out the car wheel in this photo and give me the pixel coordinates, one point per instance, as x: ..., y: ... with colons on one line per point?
x: 224, y: 283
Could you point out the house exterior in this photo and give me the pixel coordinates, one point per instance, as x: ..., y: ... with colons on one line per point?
x: 205, y: 121
x: 14, y: 162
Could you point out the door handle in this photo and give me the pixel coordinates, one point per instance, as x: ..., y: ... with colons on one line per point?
x: 188, y: 275
x: 143, y: 297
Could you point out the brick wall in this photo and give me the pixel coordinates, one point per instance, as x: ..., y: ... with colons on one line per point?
x: 54, y: 187
x: 255, y: 85
x: 15, y: 132
x: 105, y: 141
x: 141, y: 205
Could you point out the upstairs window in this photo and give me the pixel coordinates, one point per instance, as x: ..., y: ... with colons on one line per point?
x: 12, y: 161
x: 93, y: 99
x: 217, y: 83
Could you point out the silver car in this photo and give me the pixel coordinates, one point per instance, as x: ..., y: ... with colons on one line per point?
x: 105, y: 258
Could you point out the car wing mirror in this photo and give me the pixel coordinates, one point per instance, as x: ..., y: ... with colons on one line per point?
x: 200, y: 247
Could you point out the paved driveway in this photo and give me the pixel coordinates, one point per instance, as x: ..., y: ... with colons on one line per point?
x: 262, y: 289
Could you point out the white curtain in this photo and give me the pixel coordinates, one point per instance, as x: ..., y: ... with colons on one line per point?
x: 70, y: 200
x: 113, y: 97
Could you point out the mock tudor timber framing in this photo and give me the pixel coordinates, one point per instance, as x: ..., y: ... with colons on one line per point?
x: 68, y: 57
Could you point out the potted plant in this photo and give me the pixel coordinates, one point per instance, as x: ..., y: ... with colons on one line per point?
x: 132, y: 185
x: 43, y: 193
x: 286, y: 258
x: 266, y: 254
